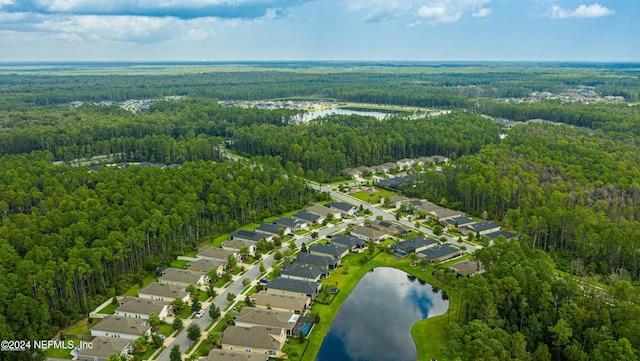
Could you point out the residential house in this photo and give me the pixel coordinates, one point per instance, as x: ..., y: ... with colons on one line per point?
x: 395, y: 182
x: 362, y: 171
x: 184, y: 278
x: 467, y: 268
x: 387, y: 227
x: 121, y: 327
x: 252, y: 316
x: 416, y: 244
x: 273, y: 229
x: 428, y: 207
x: 300, y: 272
x: 368, y: 234
x: 442, y: 214
x: 440, y: 252
x: 259, y: 339
x: 505, y: 234
x: 236, y: 245
x: 252, y: 236
x: 354, y: 244
x: 480, y: 228
x: 163, y: 292
x: 351, y: 172
x: 215, y: 253
x: 204, y: 265
x: 323, y: 211
x: 136, y: 307
x: 295, y: 304
x: 322, y: 262
x: 346, y: 208
x: 103, y: 347
x: 328, y: 250
x: 386, y: 167
x: 308, y: 217
x: 292, y: 224
x: 406, y: 162
x: 291, y: 287
x: 397, y: 201
x: 221, y: 355
x: 455, y: 223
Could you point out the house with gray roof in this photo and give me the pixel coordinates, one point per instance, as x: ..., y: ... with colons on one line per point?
x: 311, y: 260
x: 354, y: 244
x: 440, y: 252
x: 467, y: 268
x: 505, y: 234
x: 480, y: 228
x: 415, y: 244
x: 236, y: 245
x: 103, y: 347
x: 396, y: 182
x: 328, y: 250
x: 184, y: 278
x: 259, y: 339
x: 121, y: 327
x: 391, y: 228
x: 204, y: 265
x: 323, y: 211
x: 288, y: 286
x: 345, y: 208
x: 293, y: 224
x: 309, y: 217
x: 136, y: 307
x: 457, y: 222
x: 221, y: 355
x: 245, y: 235
x: 442, y: 214
x: 163, y: 292
x: 295, y: 304
x: 273, y: 229
x: 300, y: 272
x: 252, y: 316
x: 214, y: 253
x: 368, y: 234
x: 397, y: 201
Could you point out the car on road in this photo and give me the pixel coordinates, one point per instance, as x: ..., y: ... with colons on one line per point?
x: 200, y: 314
x: 264, y: 280
x: 291, y: 234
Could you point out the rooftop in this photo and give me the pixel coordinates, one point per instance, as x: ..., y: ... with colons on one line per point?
x: 483, y: 226
x: 205, y: 265
x: 307, y: 216
x: 124, y: 325
x: 214, y: 252
x: 347, y: 240
x: 142, y: 306
x: 291, y: 285
x: 103, y: 347
x: 367, y: 232
x: 467, y: 267
x: 414, y: 243
x: 250, y: 235
x: 222, y: 355
x: 332, y: 250
x: 438, y: 252
x: 269, y: 228
x: 267, y: 318
x: 301, y: 271
x: 264, y: 298
x: 179, y: 275
x: 314, y: 260
x: 164, y: 290
x: 342, y: 206
x: 259, y: 337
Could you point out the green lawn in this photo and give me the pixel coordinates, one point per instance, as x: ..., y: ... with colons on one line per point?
x: 109, y: 309
x: 165, y: 329
x: 179, y: 264
x: 133, y: 291
x: 202, y: 296
x: 147, y: 353
x: 186, y: 313
x: 81, y: 327
x: 60, y: 352
x: 373, y: 198
x: 429, y: 329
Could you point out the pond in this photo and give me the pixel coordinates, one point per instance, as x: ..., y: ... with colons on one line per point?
x: 374, y: 322
x: 305, y: 118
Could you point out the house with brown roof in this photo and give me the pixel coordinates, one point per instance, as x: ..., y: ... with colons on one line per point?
x: 258, y: 339
x: 121, y: 327
x: 221, y: 355
x: 163, y: 292
x: 236, y: 245
x: 323, y: 211
x: 295, y: 304
x: 103, y: 347
x: 136, y: 307
x: 204, y: 265
x: 184, y: 278
x: 252, y: 316
x: 328, y: 250
x: 368, y: 234
x: 391, y: 228
x: 214, y: 253
x: 467, y: 268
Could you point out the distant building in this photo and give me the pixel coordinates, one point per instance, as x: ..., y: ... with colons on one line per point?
x: 354, y: 244
x: 163, y: 292
x: 368, y: 234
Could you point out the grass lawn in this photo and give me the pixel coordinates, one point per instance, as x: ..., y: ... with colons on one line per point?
x: 179, y: 264
x: 202, y: 296
x: 81, y: 327
x: 146, y: 354
x: 60, y: 352
x: 165, y: 329
x: 186, y: 313
x: 133, y: 291
x: 429, y: 329
x: 373, y: 198
x: 109, y: 309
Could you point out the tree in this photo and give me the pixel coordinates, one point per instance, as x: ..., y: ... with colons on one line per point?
x: 195, y: 305
x: 413, y: 257
x: 178, y: 305
x: 211, y: 292
x: 193, y: 332
x: 562, y: 333
x: 345, y: 267
x: 277, y: 270
x: 193, y: 290
x: 314, y: 235
x: 232, y: 262
x: 262, y: 269
x: 175, y: 354
x: 397, y: 215
x: 277, y: 256
x: 156, y: 341
x: 177, y: 323
x: 154, y: 322
x: 214, y: 312
x: 214, y: 338
x: 114, y: 357
x: 437, y: 229
x: 231, y: 296
x: 139, y: 344
x: 371, y: 247
x: 246, y: 282
x: 213, y: 275
x: 303, y: 247
x: 248, y: 302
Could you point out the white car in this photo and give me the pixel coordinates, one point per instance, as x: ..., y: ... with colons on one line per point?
x: 200, y: 314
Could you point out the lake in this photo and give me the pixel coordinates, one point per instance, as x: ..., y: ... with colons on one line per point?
x: 305, y: 118
x: 374, y: 322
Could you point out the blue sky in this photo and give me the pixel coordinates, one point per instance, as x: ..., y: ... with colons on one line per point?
x: 421, y: 30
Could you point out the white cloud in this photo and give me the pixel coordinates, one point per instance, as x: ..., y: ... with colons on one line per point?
x: 450, y: 11
x: 582, y: 11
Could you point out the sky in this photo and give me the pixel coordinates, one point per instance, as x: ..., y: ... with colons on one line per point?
x: 342, y: 30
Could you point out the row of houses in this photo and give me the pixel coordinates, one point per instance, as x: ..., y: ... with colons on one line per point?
x: 426, y: 248
x: 389, y: 166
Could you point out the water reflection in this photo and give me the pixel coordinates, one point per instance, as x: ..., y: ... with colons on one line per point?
x: 374, y: 323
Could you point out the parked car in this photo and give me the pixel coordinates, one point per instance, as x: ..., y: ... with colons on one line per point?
x: 291, y: 234
x: 200, y: 314
x: 264, y: 280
